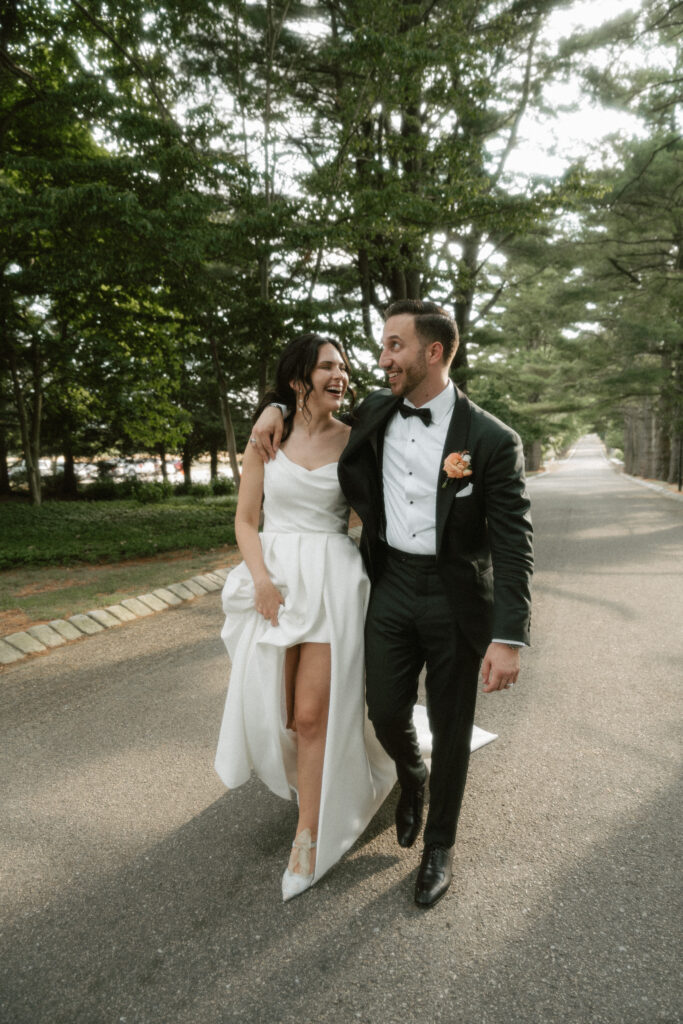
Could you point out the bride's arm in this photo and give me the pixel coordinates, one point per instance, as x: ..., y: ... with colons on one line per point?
x: 267, y: 598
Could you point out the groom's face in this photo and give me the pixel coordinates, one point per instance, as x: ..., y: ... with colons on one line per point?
x: 403, y: 355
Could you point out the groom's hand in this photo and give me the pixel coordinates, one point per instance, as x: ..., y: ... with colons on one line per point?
x: 267, y: 433
x: 500, y: 667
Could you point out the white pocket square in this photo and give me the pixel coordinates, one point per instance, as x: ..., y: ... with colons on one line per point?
x: 465, y: 491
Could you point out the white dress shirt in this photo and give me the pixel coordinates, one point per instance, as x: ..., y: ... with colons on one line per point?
x: 412, y: 459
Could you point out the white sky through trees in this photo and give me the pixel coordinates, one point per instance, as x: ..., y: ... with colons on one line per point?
x: 548, y: 145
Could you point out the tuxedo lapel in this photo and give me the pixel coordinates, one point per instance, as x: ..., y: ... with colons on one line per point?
x: 360, y: 465
x: 456, y: 441
x: 371, y: 428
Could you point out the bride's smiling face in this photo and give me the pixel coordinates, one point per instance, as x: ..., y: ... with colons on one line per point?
x: 329, y: 381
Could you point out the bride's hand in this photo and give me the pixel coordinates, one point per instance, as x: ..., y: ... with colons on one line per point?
x: 266, y: 433
x: 267, y: 600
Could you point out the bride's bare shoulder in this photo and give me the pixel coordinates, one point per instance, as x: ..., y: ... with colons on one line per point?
x: 342, y: 431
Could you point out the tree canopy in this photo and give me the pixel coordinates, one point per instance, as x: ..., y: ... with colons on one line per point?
x: 184, y: 187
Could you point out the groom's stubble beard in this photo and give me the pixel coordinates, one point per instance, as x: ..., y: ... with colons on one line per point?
x: 413, y: 375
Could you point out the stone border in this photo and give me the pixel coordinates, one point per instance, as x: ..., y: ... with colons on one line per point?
x: 42, y: 638
x: 660, y: 488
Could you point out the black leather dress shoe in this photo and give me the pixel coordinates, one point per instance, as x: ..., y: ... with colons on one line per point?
x: 409, y: 815
x: 434, y: 875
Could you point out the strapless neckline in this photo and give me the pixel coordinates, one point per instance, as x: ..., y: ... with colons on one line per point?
x: 305, y: 468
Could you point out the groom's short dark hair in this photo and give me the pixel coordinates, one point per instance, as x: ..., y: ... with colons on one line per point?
x: 432, y: 323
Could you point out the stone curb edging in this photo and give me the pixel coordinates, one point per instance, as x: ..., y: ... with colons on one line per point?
x: 618, y: 466
x: 41, y: 638
x: 659, y: 488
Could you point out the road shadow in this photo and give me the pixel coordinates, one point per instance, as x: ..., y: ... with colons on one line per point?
x: 193, y: 930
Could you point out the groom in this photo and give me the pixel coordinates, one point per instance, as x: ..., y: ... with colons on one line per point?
x: 450, y: 562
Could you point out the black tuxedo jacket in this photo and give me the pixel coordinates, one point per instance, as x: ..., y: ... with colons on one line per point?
x: 483, y: 538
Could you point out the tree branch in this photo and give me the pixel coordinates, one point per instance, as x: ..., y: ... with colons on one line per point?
x: 623, y: 270
x: 20, y: 73
x: 519, y: 113
x: 653, y: 154
x: 96, y: 23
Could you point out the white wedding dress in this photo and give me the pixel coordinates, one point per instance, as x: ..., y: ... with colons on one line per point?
x: 318, y: 569
x: 319, y: 572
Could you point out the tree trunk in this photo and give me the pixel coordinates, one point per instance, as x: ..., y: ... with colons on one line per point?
x: 663, y: 450
x: 629, y: 441
x: 230, y: 443
x: 642, y: 447
x: 187, y: 463
x: 5, y: 487
x: 465, y: 289
x: 398, y: 285
x: 648, y: 452
x: 533, y: 456
x: 366, y: 291
x: 161, y: 452
x: 676, y: 467
x: 266, y: 341
x: 213, y: 453
x: 70, y: 480
x: 29, y: 425
x: 414, y: 284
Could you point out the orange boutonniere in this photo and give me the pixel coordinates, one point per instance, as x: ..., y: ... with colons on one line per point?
x: 456, y: 466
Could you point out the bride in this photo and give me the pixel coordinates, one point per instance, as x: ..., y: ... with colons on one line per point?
x: 295, y: 607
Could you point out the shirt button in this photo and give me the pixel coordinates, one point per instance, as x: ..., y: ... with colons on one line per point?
x: 411, y: 503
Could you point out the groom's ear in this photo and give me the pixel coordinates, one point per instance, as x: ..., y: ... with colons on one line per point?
x: 435, y: 352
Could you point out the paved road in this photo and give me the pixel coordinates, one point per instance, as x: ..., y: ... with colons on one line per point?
x: 135, y: 890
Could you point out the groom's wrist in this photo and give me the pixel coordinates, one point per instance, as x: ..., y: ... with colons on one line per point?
x: 283, y: 408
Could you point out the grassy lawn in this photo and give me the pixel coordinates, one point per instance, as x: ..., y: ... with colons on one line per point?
x: 66, y: 533
x: 38, y: 594
x: 69, y: 557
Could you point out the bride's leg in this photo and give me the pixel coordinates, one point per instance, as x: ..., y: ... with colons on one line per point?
x: 311, y: 706
x: 291, y: 665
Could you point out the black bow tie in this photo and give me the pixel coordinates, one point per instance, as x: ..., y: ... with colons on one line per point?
x: 424, y: 414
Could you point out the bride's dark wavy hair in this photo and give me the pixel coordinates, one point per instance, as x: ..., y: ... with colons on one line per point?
x: 297, y: 363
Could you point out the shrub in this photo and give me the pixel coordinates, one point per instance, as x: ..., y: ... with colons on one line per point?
x: 192, y: 490
x: 108, y: 490
x: 63, y: 533
x: 106, y: 468
x: 222, y: 486
x: 53, y: 486
x: 151, y: 493
x: 200, y: 490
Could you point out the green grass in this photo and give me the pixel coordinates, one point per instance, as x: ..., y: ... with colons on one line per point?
x: 69, y: 533
x: 41, y: 593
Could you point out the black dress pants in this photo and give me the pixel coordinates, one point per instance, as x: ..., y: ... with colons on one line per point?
x: 409, y: 624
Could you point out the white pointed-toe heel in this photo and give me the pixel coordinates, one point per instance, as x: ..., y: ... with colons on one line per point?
x: 295, y: 882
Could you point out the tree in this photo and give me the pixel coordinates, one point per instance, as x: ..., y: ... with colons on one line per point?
x: 89, y: 234
x: 633, y: 245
